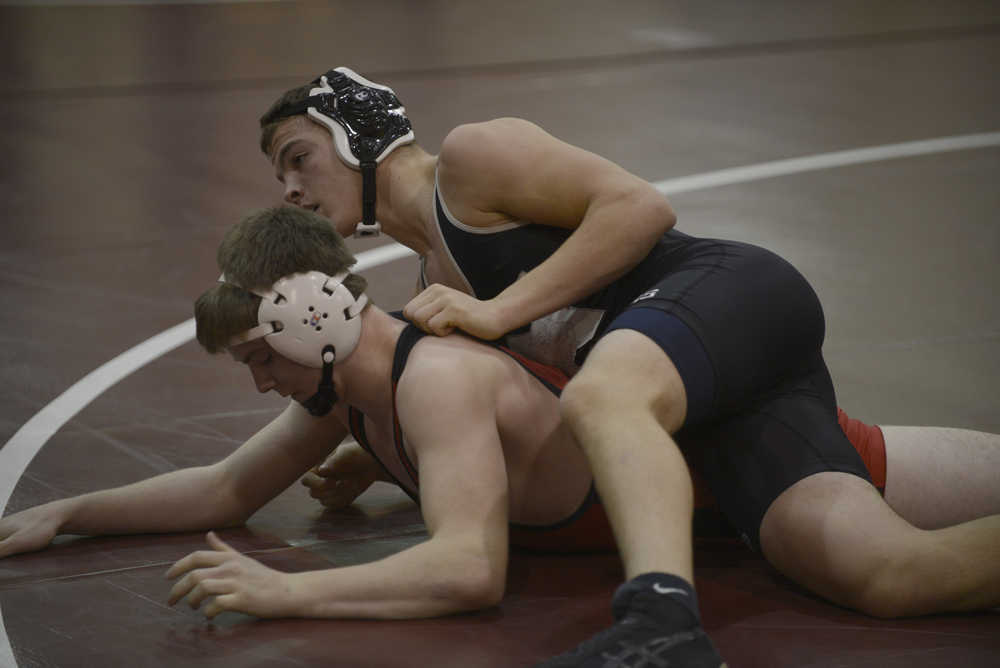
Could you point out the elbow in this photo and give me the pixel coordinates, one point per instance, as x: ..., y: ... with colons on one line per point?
x: 648, y: 215
x: 482, y: 592
x: 656, y: 209
x: 233, y: 518
x: 223, y: 516
x: 669, y: 217
x: 228, y: 507
x: 234, y: 512
x: 491, y: 591
x: 479, y: 596
x: 478, y: 584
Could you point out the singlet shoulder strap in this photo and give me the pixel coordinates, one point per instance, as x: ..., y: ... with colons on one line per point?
x: 407, y: 339
x: 445, y: 216
x: 423, y: 272
x: 357, y: 426
x: 356, y: 423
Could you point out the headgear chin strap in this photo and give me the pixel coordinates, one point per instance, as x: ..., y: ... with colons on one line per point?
x: 367, y: 122
x: 320, y: 403
x: 311, y: 319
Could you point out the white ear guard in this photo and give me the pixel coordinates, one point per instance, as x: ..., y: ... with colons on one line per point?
x: 302, y: 314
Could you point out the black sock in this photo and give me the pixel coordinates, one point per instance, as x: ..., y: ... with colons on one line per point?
x: 659, y: 595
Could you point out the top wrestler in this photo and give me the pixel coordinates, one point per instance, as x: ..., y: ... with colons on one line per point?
x: 577, y: 262
x: 470, y: 430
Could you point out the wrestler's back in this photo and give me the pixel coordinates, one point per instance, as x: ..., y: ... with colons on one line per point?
x: 548, y: 476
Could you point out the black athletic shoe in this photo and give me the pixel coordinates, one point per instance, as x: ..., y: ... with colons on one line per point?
x: 651, y: 632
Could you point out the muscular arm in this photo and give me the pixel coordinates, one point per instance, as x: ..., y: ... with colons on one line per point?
x: 222, y: 494
x: 463, y: 491
x: 510, y: 169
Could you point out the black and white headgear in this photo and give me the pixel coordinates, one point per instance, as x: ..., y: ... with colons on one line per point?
x: 367, y: 122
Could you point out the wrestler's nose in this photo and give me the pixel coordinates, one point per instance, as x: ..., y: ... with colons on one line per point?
x: 293, y: 192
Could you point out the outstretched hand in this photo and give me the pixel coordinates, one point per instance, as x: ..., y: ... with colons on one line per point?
x: 28, y: 530
x: 233, y: 581
x: 440, y: 310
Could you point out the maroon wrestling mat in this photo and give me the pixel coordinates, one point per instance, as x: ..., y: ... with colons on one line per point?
x: 129, y: 144
x: 102, y: 602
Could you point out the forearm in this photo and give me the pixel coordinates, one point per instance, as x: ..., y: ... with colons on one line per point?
x: 611, y: 240
x: 185, y: 500
x: 431, y: 579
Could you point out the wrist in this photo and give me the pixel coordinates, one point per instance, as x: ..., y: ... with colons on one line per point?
x: 295, y: 596
x: 507, y: 316
x: 62, y: 514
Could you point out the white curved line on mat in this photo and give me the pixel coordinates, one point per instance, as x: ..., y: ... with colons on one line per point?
x: 18, y: 452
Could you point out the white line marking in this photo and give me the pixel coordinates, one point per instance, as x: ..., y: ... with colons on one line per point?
x: 18, y: 452
x: 22, y: 447
x: 766, y: 170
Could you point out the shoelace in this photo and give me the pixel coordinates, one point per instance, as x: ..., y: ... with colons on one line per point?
x: 648, y: 658
x: 648, y: 654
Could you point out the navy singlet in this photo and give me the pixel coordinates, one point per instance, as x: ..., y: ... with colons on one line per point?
x: 492, y: 258
x: 742, y: 326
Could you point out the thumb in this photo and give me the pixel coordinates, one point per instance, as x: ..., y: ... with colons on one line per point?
x: 7, y: 547
x: 16, y: 543
x: 312, y: 481
x: 217, y: 543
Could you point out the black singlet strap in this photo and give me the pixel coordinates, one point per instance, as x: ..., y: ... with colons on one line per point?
x: 357, y: 426
x: 407, y: 339
x: 356, y: 420
x: 404, y: 345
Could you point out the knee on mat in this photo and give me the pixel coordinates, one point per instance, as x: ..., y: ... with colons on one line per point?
x: 886, y: 590
x: 883, y: 580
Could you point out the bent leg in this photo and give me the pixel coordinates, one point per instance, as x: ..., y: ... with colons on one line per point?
x: 937, y: 476
x: 622, y: 407
x: 834, y: 534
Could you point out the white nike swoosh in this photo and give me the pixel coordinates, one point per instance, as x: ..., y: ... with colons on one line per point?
x: 660, y: 589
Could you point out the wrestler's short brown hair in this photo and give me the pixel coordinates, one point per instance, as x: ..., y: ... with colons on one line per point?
x: 277, y: 113
x: 265, y: 246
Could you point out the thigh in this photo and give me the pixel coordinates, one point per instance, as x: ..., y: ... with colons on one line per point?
x: 627, y: 371
x: 937, y: 476
x: 834, y: 534
x: 749, y: 459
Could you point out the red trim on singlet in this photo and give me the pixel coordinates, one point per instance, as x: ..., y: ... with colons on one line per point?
x: 544, y: 372
x: 869, y: 441
x: 397, y: 436
x: 356, y: 421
